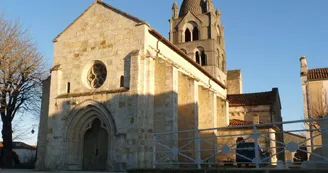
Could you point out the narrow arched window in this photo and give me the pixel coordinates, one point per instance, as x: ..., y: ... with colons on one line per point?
x: 122, y: 81
x: 187, y: 35
x: 223, y: 65
x: 218, y: 58
x: 204, y: 59
x: 195, y: 34
x: 68, y: 87
x: 197, y: 58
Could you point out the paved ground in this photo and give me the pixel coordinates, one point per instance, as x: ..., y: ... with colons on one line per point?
x: 32, y: 171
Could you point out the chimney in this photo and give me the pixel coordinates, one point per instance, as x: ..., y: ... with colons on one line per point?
x: 235, y: 83
x: 256, y: 119
x: 304, y: 67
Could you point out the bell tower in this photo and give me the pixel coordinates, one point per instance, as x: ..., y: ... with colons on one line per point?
x: 198, y: 32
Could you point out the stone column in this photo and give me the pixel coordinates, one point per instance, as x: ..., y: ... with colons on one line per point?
x: 145, y: 109
x: 135, y: 89
x: 43, y: 128
x: 196, y: 105
x: 52, y: 145
x: 196, y: 117
x: 215, y: 113
x: 272, y: 137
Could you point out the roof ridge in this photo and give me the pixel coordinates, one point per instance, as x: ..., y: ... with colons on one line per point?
x: 318, y: 68
x: 317, y: 74
x: 122, y: 12
x: 107, y: 6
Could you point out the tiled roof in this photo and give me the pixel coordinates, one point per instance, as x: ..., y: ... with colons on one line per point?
x: 252, y: 99
x: 235, y: 122
x: 194, y: 6
x: 317, y: 74
x: 241, y: 124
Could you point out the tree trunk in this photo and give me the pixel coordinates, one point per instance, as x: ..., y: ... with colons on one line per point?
x: 7, y: 157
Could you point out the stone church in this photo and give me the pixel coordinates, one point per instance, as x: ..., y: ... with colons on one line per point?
x: 115, y: 81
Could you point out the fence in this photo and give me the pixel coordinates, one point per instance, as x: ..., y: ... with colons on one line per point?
x: 258, y: 145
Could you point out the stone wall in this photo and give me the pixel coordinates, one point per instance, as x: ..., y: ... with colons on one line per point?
x: 234, y: 83
x: 187, y: 117
x: 101, y: 35
x: 205, y: 108
x: 221, y: 108
x: 246, y: 113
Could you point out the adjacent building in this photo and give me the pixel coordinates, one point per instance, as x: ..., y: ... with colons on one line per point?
x: 315, y: 98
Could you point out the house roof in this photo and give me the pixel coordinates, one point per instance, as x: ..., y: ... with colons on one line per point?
x: 246, y: 125
x: 235, y: 122
x: 317, y: 74
x: 252, y: 99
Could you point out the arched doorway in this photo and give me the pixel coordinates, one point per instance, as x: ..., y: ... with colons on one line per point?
x: 95, y: 147
x: 84, y: 121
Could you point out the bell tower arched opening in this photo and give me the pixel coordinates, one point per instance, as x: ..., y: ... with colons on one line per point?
x: 200, y: 56
x: 187, y: 35
x: 195, y: 34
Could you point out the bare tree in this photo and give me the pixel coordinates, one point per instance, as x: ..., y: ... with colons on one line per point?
x: 20, y: 79
x: 319, y: 105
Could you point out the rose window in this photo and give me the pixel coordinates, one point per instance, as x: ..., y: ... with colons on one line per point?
x: 97, y: 75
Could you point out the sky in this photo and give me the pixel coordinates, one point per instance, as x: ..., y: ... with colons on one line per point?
x: 264, y: 38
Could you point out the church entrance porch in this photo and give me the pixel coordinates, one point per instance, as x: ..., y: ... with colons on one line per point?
x: 95, y: 148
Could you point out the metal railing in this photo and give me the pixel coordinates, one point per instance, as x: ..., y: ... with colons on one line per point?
x: 257, y: 145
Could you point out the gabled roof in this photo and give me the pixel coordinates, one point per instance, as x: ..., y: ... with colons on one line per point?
x: 317, y: 74
x: 129, y: 16
x: 252, y: 99
x: 186, y: 16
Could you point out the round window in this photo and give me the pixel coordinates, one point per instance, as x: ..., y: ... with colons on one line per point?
x: 97, y: 75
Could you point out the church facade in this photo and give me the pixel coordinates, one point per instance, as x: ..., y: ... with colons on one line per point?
x: 115, y: 81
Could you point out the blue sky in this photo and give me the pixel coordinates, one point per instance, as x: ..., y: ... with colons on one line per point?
x: 263, y: 38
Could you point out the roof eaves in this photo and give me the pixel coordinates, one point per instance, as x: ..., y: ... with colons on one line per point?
x: 236, y: 105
